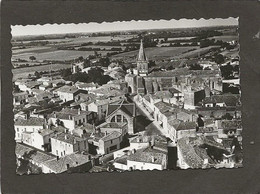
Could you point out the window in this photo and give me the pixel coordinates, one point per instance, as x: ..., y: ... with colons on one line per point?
x: 113, y: 148
x: 113, y: 119
x: 64, y: 152
x: 17, y: 129
x: 111, y: 141
x: 75, y: 122
x: 83, y: 120
x: 119, y: 118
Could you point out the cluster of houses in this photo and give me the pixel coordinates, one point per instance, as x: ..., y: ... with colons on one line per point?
x: 64, y: 126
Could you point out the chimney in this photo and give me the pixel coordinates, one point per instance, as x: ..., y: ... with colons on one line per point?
x: 70, y: 118
x: 138, y: 139
x: 79, y: 111
x: 57, y: 157
x: 54, y: 113
x: 206, y: 161
x: 74, y: 141
x: 153, y: 159
x: 66, y: 137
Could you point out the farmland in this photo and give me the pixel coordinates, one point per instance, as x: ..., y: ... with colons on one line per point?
x: 155, y: 53
x: 58, y: 55
x: 23, y: 72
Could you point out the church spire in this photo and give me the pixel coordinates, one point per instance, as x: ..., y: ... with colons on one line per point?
x: 141, y: 55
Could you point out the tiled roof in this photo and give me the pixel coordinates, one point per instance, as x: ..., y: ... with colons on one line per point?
x: 127, y: 108
x: 73, y: 160
x: 112, y: 125
x: 45, y: 132
x: 185, y: 72
x: 228, y: 99
x: 36, y: 155
x: 30, y: 122
x: 163, y: 94
x: 68, y: 138
x: 67, y: 113
x: 111, y: 136
x: 67, y: 89
x: 193, y: 155
x: 147, y: 155
x: 231, y: 124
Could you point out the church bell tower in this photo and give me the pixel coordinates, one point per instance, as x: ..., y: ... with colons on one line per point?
x: 142, y: 62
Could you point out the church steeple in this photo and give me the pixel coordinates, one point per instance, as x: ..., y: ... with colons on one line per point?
x: 141, y: 54
x: 142, y: 62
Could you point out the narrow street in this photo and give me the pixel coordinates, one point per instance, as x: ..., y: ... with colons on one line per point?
x: 145, y: 121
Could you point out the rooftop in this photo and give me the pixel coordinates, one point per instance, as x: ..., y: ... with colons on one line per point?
x: 67, y: 89
x: 148, y: 155
x: 68, y: 113
x: 228, y: 99
x: 30, y: 122
x: 68, y: 138
x: 73, y: 160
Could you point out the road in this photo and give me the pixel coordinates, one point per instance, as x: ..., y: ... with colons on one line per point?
x: 145, y: 121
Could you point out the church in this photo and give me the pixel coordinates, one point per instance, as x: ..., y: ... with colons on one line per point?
x: 141, y: 81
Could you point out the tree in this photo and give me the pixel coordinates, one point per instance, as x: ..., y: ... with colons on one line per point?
x: 37, y: 74
x: 32, y: 58
x: 219, y: 59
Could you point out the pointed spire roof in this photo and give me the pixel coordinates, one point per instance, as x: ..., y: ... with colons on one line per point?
x: 141, y: 55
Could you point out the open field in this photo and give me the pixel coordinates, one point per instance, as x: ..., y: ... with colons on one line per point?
x: 225, y: 38
x: 38, y: 49
x: 157, y: 52
x: 58, y: 55
x: 23, y: 72
x: 197, y: 52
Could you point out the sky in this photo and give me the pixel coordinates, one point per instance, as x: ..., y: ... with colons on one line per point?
x: 19, y: 30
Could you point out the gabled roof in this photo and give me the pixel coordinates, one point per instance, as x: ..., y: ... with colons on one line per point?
x: 127, y: 108
x: 30, y: 122
x: 73, y: 160
x: 228, y: 99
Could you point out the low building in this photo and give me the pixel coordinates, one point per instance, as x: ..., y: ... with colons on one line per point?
x: 106, y: 142
x: 67, y: 93
x: 71, y: 163
x: 100, y: 106
x: 147, y: 159
x: 63, y: 144
x: 24, y: 127
x: 71, y: 118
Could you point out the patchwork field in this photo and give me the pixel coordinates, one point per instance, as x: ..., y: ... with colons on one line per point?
x: 24, y: 72
x: 57, y: 55
x: 157, y: 52
x: 225, y: 38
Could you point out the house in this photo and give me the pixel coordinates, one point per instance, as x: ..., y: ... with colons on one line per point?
x: 67, y: 93
x: 229, y: 128
x: 197, y: 152
x: 63, y: 144
x: 100, y: 105
x: 179, y: 129
x: 107, y: 91
x: 147, y: 159
x: 41, y: 139
x: 28, y: 86
x: 122, y: 113
x: 71, y: 118
x: 20, y: 98
x: 75, y: 162
x: 106, y: 143
x: 24, y: 127
x: 110, y: 127
x: 225, y: 100
x: 86, y: 86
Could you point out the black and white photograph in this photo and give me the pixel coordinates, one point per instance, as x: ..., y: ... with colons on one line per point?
x: 127, y: 95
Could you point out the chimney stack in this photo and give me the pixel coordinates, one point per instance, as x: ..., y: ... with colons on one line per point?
x: 79, y: 111
x: 153, y: 159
